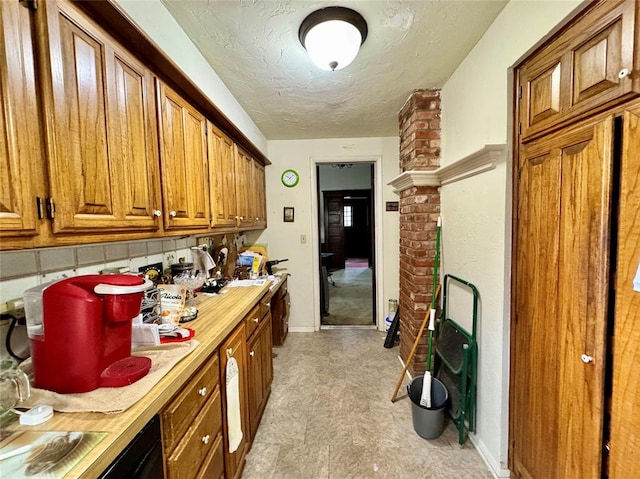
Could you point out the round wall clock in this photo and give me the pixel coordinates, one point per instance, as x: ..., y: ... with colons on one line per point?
x: 290, y: 178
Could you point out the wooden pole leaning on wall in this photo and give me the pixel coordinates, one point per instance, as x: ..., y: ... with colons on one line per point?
x: 425, y: 321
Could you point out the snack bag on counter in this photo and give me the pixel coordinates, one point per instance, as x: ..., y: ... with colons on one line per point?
x: 172, y: 299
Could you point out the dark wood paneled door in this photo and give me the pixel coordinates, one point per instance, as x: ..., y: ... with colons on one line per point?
x: 334, y: 228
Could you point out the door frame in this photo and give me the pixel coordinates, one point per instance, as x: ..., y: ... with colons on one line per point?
x: 377, y: 236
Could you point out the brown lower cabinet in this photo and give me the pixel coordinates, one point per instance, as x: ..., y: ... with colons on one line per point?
x: 192, y: 427
x: 260, y: 367
x: 195, y: 437
x: 235, y: 346
x: 280, y: 314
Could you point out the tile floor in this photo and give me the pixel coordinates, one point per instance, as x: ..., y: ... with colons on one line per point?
x: 330, y: 416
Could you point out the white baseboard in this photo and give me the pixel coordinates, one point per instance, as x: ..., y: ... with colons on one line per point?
x: 302, y: 329
x: 494, y: 466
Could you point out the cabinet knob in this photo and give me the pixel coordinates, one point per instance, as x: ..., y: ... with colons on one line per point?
x: 257, y: 219
x: 623, y: 73
x: 157, y: 213
x: 586, y: 358
x: 202, y: 391
x: 173, y: 214
x: 252, y: 353
x: 241, y: 218
x: 206, y: 439
x: 256, y: 320
x: 268, y: 305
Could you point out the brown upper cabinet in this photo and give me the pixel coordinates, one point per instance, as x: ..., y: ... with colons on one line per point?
x: 21, y: 157
x: 258, y: 201
x: 250, y: 191
x: 582, y: 70
x: 237, y: 183
x: 94, y: 146
x: 243, y: 187
x: 222, y: 181
x: 100, y: 127
x: 183, y: 160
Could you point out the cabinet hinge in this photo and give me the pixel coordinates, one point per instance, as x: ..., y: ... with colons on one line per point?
x: 520, y: 92
x: 51, y: 208
x: 519, y: 128
x: 40, y: 208
x: 32, y: 5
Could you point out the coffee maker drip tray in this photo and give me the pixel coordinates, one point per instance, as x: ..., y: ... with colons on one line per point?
x: 125, y: 371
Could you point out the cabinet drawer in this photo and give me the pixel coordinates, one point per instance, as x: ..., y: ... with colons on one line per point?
x: 177, y: 417
x: 252, y: 320
x: 213, y: 466
x: 199, y: 442
x: 265, y: 305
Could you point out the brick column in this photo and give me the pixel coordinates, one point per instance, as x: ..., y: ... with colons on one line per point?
x: 419, y: 211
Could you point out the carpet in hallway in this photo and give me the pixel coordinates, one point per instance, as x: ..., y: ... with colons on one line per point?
x: 351, y: 299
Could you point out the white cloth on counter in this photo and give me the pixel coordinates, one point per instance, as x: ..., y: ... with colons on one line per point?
x: 234, y: 421
x: 113, y: 400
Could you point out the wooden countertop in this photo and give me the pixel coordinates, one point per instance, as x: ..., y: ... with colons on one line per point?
x: 217, y: 317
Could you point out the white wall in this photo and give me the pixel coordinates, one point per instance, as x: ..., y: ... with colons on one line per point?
x: 476, y: 212
x: 284, y: 238
x: 152, y: 17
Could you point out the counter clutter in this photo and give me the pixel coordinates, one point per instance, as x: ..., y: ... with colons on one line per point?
x: 216, y: 327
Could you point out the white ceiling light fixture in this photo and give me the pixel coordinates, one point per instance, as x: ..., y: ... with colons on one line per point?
x: 332, y: 36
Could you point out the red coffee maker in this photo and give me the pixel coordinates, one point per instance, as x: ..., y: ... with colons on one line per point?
x: 80, y: 332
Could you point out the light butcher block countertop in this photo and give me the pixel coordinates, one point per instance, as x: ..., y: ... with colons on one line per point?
x: 217, y: 317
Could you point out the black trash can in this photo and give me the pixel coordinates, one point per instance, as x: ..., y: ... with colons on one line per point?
x: 428, y: 422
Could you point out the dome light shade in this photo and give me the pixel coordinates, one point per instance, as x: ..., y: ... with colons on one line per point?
x: 332, y: 36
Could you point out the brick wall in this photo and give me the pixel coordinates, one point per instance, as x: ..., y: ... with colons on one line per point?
x: 419, y: 211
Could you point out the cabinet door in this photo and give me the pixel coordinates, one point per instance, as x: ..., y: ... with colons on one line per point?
x: 560, y: 311
x: 625, y: 420
x: 21, y: 158
x: 183, y: 155
x: 258, y: 196
x: 244, y: 188
x: 235, y: 346
x: 101, y: 133
x: 222, y: 181
x: 593, y: 63
x: 267, y: 357
x: 260, y: 371
x: 133, y: 141
x: 256, y: 347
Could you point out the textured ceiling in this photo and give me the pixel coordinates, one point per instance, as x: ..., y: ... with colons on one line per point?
x: 253, y: 47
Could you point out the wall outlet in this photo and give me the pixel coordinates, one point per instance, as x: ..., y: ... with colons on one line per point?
x: 303, y: 239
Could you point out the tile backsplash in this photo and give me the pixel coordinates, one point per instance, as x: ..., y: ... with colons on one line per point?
x: 21, y: 270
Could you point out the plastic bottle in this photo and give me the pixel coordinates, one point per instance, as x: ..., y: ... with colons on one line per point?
x: 392, y: 307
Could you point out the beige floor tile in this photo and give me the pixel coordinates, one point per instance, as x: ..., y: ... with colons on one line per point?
x: 330, y: 416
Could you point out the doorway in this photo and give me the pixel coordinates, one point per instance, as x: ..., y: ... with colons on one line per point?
x: 346, y: 218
